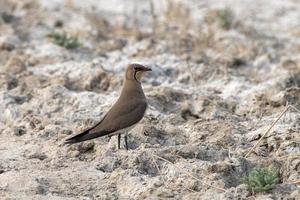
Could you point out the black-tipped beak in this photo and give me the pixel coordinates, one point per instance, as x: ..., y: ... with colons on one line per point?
x: 147, y: 69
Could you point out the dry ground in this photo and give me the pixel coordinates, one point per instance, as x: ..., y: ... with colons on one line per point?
x: 223, y: 71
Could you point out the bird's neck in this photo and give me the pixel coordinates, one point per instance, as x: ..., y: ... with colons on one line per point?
x: 132, y: 87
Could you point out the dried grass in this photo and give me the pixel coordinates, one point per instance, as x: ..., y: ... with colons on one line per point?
x: 270, y: 128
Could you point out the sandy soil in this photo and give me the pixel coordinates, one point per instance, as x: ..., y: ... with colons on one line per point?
x: 223, y: 71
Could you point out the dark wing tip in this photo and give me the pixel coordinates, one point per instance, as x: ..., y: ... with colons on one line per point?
x: 69, y: 141
x: 75, y: 139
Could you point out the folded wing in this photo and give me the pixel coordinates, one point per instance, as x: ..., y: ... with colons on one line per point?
x: 117, y: 118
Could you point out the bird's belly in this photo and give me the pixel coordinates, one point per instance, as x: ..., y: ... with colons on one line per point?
x: 122, y: 131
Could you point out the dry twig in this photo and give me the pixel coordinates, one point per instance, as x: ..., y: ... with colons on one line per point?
x: 296, y: 182
x: 270, y: 128
x: 289, y: 156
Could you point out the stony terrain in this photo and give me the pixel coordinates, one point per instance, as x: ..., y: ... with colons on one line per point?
x: 223, y: 71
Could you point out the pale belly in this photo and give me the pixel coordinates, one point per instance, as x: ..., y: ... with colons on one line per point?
x: 123, y: 131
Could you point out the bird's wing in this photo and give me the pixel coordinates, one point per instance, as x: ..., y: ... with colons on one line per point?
x: 120, y: 116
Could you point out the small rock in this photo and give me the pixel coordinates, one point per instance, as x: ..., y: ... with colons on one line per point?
x: 109, y: 166
x: 47, y: 133
x: 158, y: 184
x: 38, y: 155
x: 262, y: 62
x: 1, y: 169
x: 66, y: 132
x: 8, y: 43
x: 58, y: 24
x: 277, y: 100
x: 166, y: 194
x: 187, y: 114
x: 145, y: 166
x: 12, y: 83
x: 15, y: 65
x: 99, y: 82
x: 86, y: 146
x: 292, y: 96
x: 237, y: 62
x: 7, y: 17
x: 19, y: 131
x: 111, y: 45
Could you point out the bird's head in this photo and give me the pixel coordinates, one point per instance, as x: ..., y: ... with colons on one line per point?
x: 136, y: 71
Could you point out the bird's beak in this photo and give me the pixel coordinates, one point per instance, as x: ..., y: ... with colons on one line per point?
x: 147, y: 69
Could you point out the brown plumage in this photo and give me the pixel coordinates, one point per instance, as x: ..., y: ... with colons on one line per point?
x: 125, y: 113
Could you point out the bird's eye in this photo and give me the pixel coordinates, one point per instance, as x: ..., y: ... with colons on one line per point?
x: 137, y: 69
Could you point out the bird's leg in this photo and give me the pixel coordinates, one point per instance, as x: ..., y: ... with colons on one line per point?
x: 126, y: 144
x: 119, y: 141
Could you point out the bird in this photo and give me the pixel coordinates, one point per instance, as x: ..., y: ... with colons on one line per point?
x: 127, y: 111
